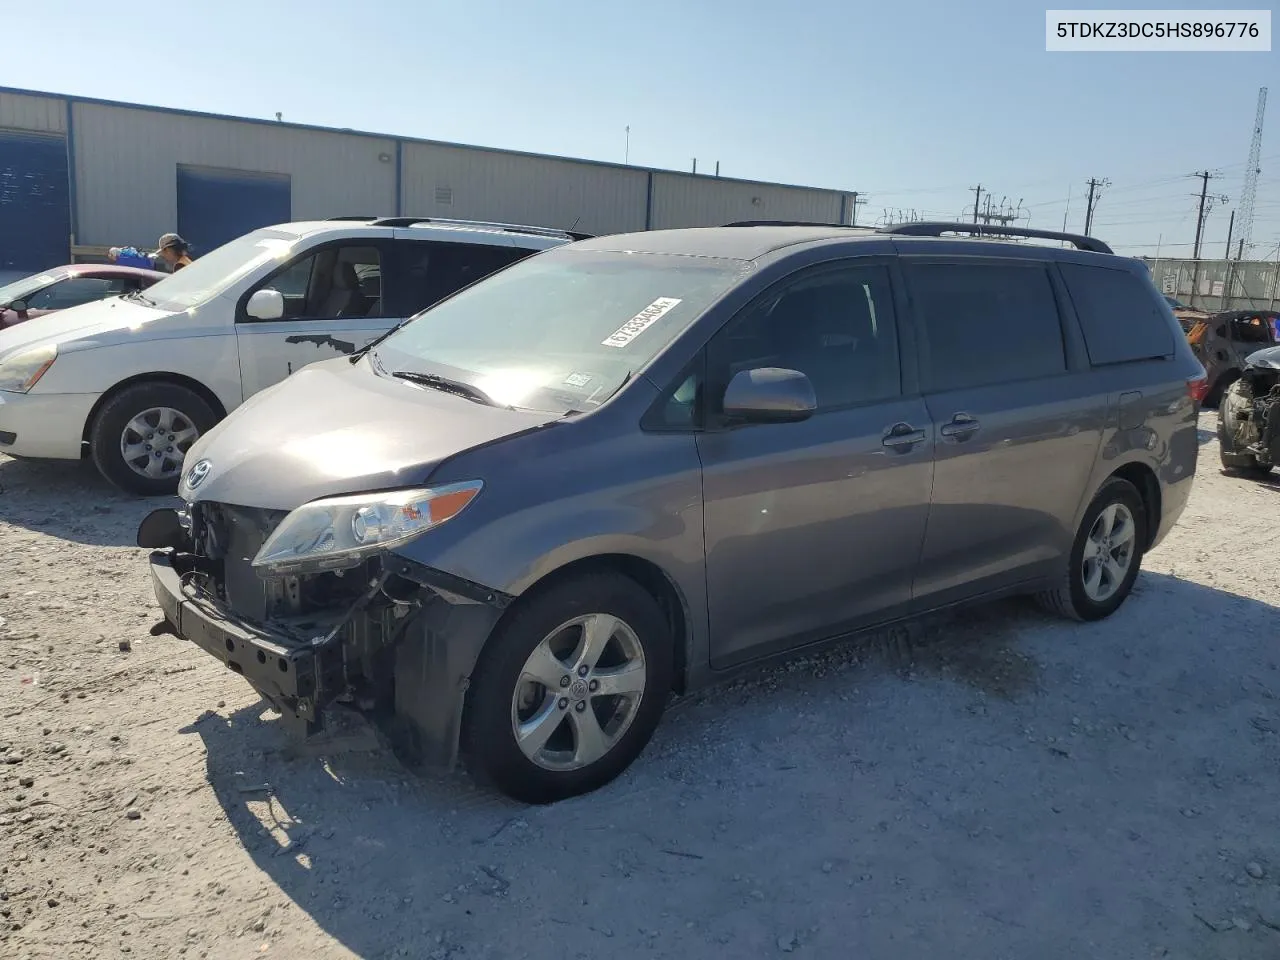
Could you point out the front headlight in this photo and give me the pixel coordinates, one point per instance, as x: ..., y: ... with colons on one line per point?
x: 19, y: 373
x: 339, y: 532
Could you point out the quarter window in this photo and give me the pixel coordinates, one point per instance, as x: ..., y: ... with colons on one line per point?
x: 834, y: 325
x: 1120, y: 314
x: 986, y: 324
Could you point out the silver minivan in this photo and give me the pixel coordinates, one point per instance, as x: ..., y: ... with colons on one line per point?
x: 629, y: 466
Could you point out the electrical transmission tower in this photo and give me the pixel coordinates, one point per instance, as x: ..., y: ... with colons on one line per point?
x: 1250, y: 189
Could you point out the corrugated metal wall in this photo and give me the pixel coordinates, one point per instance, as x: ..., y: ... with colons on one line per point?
x: 127, y: 163
x: 1215, y: 285
x: 685, y: 200
x: 39, y: 114
x: 125, y: 160
x: 474, y: 184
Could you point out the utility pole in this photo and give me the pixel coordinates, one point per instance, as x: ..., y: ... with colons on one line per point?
x: 853, y: 217
x: 626, y: 155
x: 1204, y: 176
x: 1231, y: 226
x: 1095, y: 194
x: 977, y: 200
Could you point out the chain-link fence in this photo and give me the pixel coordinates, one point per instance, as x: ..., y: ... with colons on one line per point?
x: 1216, y: 285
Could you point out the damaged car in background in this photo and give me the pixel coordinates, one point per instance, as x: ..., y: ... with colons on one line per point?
x: 1249, y: 417
x: 632, y: 466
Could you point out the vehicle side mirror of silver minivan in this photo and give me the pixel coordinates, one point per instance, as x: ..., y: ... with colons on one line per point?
x: 769, y: 395
x: 18, y: 306
x: 265, y: 304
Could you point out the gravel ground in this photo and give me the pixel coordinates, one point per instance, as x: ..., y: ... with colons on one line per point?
x: 998, y: 784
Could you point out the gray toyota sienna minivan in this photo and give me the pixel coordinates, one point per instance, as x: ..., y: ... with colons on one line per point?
x: 627, y: 466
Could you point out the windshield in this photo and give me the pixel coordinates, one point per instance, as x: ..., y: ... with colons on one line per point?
x: 207, y: 276
x: 562, y: 330
x: 21, y: 289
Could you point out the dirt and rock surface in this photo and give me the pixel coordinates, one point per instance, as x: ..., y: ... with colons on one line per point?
x: 999, y: 785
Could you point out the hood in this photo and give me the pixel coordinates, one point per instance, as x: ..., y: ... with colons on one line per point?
x: 333, y: 428
x: 78, y: 323
x: 1268, y: 358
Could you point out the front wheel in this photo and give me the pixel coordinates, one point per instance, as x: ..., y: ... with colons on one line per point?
x: 1232, y: 430
x: 569, y: 690
x: 142, y: 434
x: 1105, y: 557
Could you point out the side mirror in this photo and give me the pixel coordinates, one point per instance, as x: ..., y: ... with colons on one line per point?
x: 770, y: 395
x: 265, y: 304
x: 18, y: 306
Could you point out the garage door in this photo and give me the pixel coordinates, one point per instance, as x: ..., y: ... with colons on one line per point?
x: 215, y: 206
x: 34, y: 206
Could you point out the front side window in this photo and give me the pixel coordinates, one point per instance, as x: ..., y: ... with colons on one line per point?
x: 834, y: 325
x: 333, y: 283
x: 563, y: 330
x: 26, y: 288
x: 74, y: 291
x: 986, y: 323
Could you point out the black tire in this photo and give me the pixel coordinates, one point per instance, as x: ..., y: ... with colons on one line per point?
x: 489, y: 742
x: 1070, y: 599
x: 114, y: 416
x: 1235, y: 461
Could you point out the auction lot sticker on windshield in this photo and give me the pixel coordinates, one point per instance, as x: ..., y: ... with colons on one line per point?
x: 641, y: 322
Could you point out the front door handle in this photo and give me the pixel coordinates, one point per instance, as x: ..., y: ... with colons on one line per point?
x: 902, y: 437
x: 961, y: 427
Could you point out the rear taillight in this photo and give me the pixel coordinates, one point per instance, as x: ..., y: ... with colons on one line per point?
x: 1198, y: 388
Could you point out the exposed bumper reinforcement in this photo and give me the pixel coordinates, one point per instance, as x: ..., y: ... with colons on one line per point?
x: 284, y: 669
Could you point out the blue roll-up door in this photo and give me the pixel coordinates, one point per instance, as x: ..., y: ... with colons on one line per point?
x: 215, y: 206
x: 35, y: 211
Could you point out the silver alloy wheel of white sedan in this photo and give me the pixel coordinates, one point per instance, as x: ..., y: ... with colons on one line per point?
x: 1108, y: 552
x: 154, y: 442
x: 578, y: 692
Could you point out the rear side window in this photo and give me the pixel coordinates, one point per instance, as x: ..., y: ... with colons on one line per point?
x: 986, y: 323
x: 433, y: 271
x: 1120, y: 315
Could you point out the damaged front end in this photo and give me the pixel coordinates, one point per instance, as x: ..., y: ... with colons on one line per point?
x: 371, y: 629
x: 1249, y: 415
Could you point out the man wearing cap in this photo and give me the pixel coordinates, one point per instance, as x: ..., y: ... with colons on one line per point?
x: 173, y: 250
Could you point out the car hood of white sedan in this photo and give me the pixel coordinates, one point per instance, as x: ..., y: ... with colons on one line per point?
x: 85, y: 322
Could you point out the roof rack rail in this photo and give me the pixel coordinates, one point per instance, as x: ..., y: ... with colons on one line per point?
x: 937, y: 229
x: 786, y: 223
x: 355, y: 216
x: 508, y: 227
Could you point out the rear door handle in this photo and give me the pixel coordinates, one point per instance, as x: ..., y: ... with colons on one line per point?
x: 961, y: 427
x: 902, y: 437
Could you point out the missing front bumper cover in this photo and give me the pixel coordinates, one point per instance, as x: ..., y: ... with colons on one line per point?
x: 282, y: 666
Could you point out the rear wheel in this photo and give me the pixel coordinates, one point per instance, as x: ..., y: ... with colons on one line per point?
x: 569, y: 690
x: 142, y: 434
x: 1105, y: 557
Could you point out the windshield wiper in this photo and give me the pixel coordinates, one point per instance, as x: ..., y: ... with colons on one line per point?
x: 447, y: 385
x: 140, y: 296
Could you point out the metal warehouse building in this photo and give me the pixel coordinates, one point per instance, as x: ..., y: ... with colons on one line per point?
x: 78, y: 175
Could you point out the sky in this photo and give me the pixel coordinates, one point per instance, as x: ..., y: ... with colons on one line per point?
x: 912, y: 104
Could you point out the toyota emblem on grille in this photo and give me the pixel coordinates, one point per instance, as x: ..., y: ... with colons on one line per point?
x: 196, y: 475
